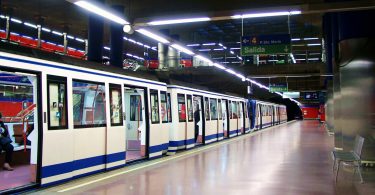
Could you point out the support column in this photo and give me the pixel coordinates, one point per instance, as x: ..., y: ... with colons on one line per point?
x: 173, y: 54
x: 117, y: 42
x: 357, y: 74
x: 95, y: 37
x: 162, y: 51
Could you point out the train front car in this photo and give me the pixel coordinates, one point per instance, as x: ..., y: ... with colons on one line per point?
x: 75, y: 121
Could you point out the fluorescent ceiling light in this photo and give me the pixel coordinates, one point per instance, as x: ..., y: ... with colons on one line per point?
x: 107, y: 48
x: 178, y: 21
x: 314, y: 59
x: 27, y: 37
x: 16, y: 20
x: 46, y: 30
x: 236, y: 62
x: 235, y: 48
x: 204, y: 49
x: 99, y: 11
x: 70, y: 37
x: 232, y: 52
x: 2, y: 16
x: 221, y: 45
x: 230, y: 71
x: 208, y: 44
x: 153, y: 36
x: 13, y: 33
x: 267, y: 14
x: 30, y: 25
x: 313, y: 38
x: 314, y: 44
x: 203, y: 59
x: 296, y: 39
x: 146, y: 46
x: 193, y: 45
x: 219, y: 66
x: 301, y: 59
x: 182, y: 49
x: 139, y: 43
x: 80, y: 40
x: 125, y: 38
x: 218, y: 58
x: 57, y: 33
x: 230, y: 57
x: 128, y: 54
x: 131, y: 40
x: 220, y: 49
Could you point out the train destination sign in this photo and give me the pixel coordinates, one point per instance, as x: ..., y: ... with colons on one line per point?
x: 265, y: 44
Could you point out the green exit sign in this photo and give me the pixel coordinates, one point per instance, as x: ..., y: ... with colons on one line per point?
x: 280, y: 87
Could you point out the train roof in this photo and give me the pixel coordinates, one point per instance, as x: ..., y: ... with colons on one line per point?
x: 43, y: 55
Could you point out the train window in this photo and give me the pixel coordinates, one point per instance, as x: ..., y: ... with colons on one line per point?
x: 88, y: 104
x: 169, y: 108
x: 115, y: 105
x: 190, y: 108
x: 135, y: 108
x: 213, y: 109
x: 163, y: 107
x: 219, y: 110
x: 234, y: 110
x: 207, y: 109
x: 230, y: 110
x: 57, y: 108
x: 154, y: 106
x: 181, y: 107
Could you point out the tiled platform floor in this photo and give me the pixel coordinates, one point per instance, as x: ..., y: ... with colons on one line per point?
x: 287, y: 159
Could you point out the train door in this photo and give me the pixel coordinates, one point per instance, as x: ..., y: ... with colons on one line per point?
x: 220, y: 123
x: 241, y: 119
x: 225, y: 115
x: 198, y: 119
x: 135, y: 123
x: 189, y: 133
x: 21, y: 126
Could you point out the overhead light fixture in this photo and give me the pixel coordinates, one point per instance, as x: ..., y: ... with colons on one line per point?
x: 204, y: 59
x: 30, y: 25
x: 182, y: 49
x: 204, y: 49
x: 313, y: 59
x: 153, y: 36
x: 107, y: 48
x: 232, y: 52
x: 16, y: 20
x: 70, y: 37
x: 296, y: 39
x: 178, y: 21
x: 46, y: 30
x: 220, y: 49
x: 314, y: 44
x: 230, y: 71
x: 193, y: 45
x: 209, y: 44
x: 80, y: 40
x: 293, y: 59
x: 128, y: 29
x: 57, y: 33
x: 311, y: 38
x: 219, y: 66
x: 139, y: 43
x: 2, y: 16
x: 146, y: 46
x: 99, y: 11
x: 266, y: 14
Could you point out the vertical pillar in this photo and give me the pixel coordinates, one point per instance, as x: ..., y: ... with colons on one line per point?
x: 162, y: 51
x: 95, y: 37
x: 357, y: 79
x: 173, y: 55
x: 117, y: 42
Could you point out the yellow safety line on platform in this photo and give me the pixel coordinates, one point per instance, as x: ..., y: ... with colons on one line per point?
x: 183, y: 154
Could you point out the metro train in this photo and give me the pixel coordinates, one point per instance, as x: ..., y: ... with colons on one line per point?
x: 82, y: 120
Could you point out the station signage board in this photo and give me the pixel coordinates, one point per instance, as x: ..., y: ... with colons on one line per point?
x: 265, y: 44
x: 278, y: 87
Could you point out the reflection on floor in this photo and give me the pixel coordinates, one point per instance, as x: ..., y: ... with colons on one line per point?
x: 20, y: 176
x: 133, y: 155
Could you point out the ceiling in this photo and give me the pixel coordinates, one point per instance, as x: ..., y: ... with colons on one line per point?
x: 64, y: 16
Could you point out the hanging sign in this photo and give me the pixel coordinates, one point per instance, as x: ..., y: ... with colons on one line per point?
x: 265, y: 44
x: 278, y: 87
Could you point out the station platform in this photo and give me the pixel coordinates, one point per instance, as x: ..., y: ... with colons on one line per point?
x: 293, y: 158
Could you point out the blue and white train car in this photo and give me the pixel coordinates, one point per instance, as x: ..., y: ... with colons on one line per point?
x: 80, y: 119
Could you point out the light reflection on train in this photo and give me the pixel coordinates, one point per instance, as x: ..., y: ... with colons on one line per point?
x: 74, y: 121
